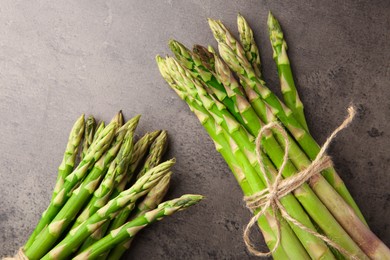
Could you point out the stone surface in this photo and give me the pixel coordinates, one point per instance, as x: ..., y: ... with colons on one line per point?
x: 61, y: 59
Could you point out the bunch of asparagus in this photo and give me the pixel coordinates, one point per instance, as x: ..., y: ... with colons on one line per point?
x: 234, y: 111
x: 115, y: 190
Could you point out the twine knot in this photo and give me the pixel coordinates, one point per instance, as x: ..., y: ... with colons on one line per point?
x: 277, y: 187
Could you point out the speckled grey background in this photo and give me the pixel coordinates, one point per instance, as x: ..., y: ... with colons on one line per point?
x: 60, y: 59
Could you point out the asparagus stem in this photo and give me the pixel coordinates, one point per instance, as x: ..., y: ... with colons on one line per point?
x: 194, y: 64
x: 287, y: 84
x: 343, y: 213
x: 95, y: 151
x: 76, y: 237
x: 140, y: 149
x: 89, y: 133
x: 115, y: 174
x: 268, y: 104
x: 150, y: 202
x: 49, y: 235
x: 156, y: 152
x: 252, y: 122
x: 248, y: 43
x: 68, y: 161
x: 243, y: 170
x: 304, y: 194
x: 130, y: 229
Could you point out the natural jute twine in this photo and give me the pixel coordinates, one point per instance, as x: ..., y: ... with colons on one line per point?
x: 19, y: 256
x: 270, y: 197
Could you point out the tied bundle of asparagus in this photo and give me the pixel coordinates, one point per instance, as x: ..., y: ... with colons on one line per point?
x: 233, y: 112
x: 115, y: 190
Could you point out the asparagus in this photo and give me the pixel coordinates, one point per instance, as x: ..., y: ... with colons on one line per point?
x: 356, y: 229
x: 266, y: 103
x: 150, y: 202
x: 235, y: 92
x: 140, y: 149
x: 76, y: 237
x: 249, y: 45
x: 99, y: 129
x: 319, y: 184
x: 194, y: 64
x: 242, y: 169
x: 130, y: 229
x: 304, y: 194
x: 90, y: 126
x: 94, y: 153
x: 156, y: 152
x: 287, y: 84
x: 68, y: 161
x: 49, y: 236
x: 116, y: 172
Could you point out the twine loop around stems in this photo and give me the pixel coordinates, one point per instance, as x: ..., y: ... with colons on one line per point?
x: 269, y: 198
x: 19, y: 256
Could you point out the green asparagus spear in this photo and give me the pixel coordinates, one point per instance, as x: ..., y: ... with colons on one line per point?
x: 99, y: 129
x: 287, y: 84
x: 243, y: 170
x: 306, y: 196
x: 352, y: 223
x: 156, y: 152
x: 95, y: 151
x: 140, y: 149
x: 150, y: 202
x: 76, y: 237
x: 130, y: 229
x: 194, y: 64
x: 249, y: 45
x: 157, y: 149
x: 115, y: 174
x: 89, y: 133
x: 48, y: 237
x: 68, y: 161
x: 266, y: 104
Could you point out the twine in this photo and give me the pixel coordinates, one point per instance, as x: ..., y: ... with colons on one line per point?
x: 269, y: 198
x: 19, y: 256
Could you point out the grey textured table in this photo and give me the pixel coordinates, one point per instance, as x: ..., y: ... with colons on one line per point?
x: 60, y: 59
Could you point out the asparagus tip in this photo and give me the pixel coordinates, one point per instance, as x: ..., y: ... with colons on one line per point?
x: 211, y: 49
x: 272, y: 22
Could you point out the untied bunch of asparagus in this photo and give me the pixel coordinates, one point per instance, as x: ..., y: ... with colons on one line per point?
x: 115, y: 190
x: 234, y: 111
